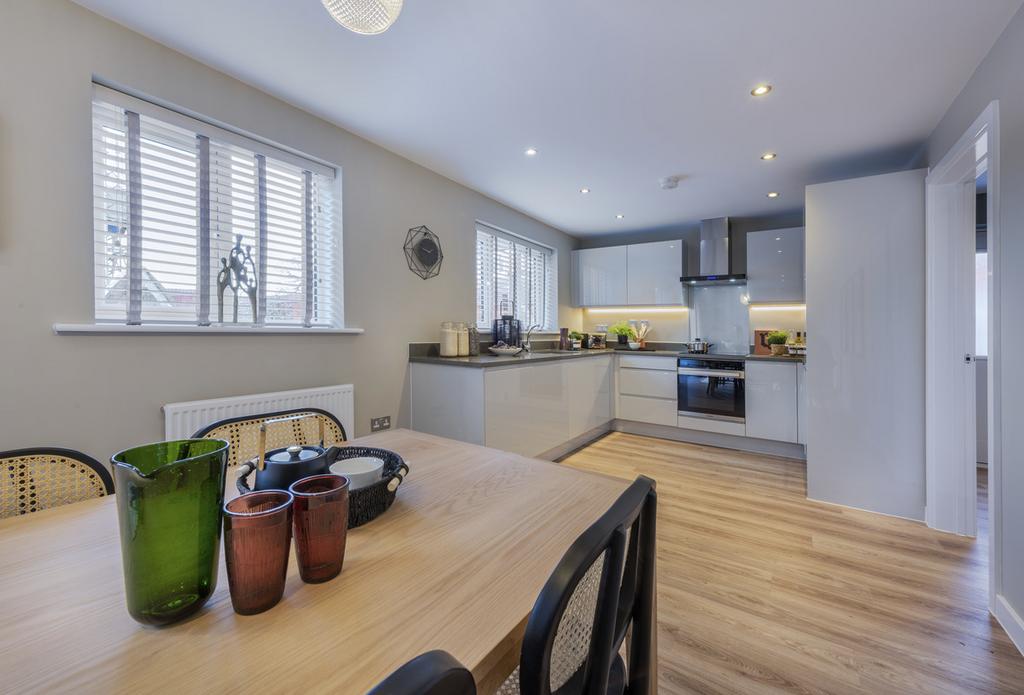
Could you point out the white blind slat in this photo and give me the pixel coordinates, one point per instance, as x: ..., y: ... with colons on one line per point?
x: 178, y: 264
x: 516, y: 273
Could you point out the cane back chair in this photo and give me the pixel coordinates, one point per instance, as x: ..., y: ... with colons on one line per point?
x: 44, y: 477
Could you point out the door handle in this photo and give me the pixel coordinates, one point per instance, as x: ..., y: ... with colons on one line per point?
x: 968, y: 358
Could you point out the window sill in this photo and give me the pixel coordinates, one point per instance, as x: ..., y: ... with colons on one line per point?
x: 186, y: 329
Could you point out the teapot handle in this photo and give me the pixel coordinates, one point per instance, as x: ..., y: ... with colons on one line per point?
x: 242, y: 481
x: 261, y: 461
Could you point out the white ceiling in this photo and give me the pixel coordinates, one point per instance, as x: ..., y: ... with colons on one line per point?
x: 614, y: 95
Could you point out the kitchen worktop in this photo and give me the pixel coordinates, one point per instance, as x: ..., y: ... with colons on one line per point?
x: 799, y: 359
x: 540, y: 356
x: 536, y: 357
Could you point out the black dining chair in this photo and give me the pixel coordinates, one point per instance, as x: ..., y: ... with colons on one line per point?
x: 601, y: 591
x: 44, y: 477
x: 433, y: 673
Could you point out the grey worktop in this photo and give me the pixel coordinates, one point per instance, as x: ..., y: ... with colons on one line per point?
x: 799, y: 359
x: 549, y: 355
x: 489, y: 360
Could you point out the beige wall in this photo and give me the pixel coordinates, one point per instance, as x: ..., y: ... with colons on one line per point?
x: 100, y: 394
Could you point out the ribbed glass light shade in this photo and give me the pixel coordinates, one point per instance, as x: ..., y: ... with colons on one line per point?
x: 364, y: 16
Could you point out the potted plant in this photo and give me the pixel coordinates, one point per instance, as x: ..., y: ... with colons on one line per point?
x: 624, y: 331
x: 777, y: 341
x: 577, y: 339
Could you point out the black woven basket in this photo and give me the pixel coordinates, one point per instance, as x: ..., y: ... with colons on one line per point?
x: 368, y: 503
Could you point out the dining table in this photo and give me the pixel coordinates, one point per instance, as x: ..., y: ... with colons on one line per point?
x: 456, y: 564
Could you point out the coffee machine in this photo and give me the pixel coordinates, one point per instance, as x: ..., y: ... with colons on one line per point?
x: 507, y: 329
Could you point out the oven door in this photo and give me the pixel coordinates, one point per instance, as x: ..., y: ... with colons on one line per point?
x: 712, y: 393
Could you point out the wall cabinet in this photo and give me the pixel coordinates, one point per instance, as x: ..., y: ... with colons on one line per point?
x: 775, y: 266
x: 599, y: 277
x: 772, y: 403
x: 633, y: 275
x: 652, y: 273
x: 527, y: 409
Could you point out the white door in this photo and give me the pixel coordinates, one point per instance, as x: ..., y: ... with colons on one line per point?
x: 950, y: 410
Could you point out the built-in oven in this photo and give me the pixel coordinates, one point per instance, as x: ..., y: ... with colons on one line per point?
x: 712, y: 388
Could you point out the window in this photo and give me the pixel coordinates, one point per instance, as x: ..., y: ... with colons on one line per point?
x: 198, y: 225
x: 516, y: 274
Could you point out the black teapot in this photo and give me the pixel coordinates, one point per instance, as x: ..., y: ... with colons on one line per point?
x: 282, y: 467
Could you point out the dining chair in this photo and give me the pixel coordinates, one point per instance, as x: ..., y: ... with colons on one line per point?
x: 433, y: 673
x: 600, y: 594
x: 300, y: 426
x: 44, y: 477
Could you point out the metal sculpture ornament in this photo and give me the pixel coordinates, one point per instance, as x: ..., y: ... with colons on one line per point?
x: 423, y: 252
x: 237, y: 272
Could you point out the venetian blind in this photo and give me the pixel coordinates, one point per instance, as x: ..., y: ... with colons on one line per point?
x: 515, y: 272
x: 177, y: 202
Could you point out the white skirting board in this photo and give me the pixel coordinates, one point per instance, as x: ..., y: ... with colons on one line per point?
x: 181, y: 420
x: 1011, y: 622
x: 716, y: 439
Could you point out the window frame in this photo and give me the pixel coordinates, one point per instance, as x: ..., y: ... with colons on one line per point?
x: 203, y: 127
x: 551, y: 280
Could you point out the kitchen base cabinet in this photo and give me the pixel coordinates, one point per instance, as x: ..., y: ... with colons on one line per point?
x: 801, y: 403
x: 526, y: 409
x: 772, y: 403
x: 529, y: 409
x: 647, y: 390
x: 655, y: 411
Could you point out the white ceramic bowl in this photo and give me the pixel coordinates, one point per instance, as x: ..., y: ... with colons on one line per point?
x: 361, y: 471
x: 634, y: 346
x: 505, y: 351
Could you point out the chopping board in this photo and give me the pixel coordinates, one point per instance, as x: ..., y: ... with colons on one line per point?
x: 761, y: 346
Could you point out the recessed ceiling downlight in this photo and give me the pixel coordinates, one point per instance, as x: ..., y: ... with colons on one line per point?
x: 761, y: 90
x: 364, y: 16
x: 619, y: 216
x: 530, y: 151
x: 769, y: 156
x: 773, y: 194
x: 584, y: 190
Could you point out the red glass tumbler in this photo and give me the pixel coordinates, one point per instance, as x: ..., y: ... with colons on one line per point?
x: 257, y: 543
x: 321, y: 525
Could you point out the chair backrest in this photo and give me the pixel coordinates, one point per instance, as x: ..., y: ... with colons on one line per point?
x: 44, y: 477
x: 243, y: 433
x: 602, y: 587
x: 433, y: 673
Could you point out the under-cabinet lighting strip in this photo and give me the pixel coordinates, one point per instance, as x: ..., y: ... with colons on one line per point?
x: 778, y: 307
x: 637, y: 309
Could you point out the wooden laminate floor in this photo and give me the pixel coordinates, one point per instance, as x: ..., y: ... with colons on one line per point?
x: 763, y: 591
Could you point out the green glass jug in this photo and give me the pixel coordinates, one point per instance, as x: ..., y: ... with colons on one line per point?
x: 169, y: 501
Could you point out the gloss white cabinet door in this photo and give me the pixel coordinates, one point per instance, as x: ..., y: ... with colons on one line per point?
x: 652, y: 273
x: 526, y: 408
x: 590, y: 393
x: 801, y: 402
x: 599, y: 277
x: 775, y: 266
x: 771, y: 390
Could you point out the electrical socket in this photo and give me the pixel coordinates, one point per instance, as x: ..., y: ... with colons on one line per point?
x: 378, y: 424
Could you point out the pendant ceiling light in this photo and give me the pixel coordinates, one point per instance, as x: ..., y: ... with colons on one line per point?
x: 364, y: 16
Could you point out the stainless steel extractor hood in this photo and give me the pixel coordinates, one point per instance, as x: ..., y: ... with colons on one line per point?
x: 715, y: 256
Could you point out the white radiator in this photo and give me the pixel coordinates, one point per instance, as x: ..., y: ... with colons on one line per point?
x: 181, y: 420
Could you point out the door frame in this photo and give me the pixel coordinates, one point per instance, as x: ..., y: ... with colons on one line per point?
x: 951, y: 490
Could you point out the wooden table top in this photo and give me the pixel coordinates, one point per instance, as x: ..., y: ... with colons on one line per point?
x: 455, y: 564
